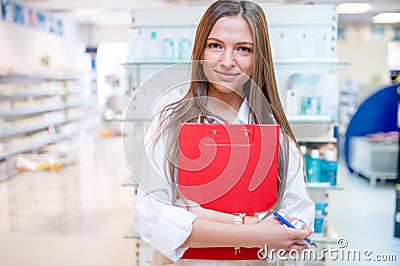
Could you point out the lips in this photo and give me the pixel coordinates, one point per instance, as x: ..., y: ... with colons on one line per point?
x: 226, y: 75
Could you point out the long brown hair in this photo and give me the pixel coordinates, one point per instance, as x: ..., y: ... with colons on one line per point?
x: 266, y: 106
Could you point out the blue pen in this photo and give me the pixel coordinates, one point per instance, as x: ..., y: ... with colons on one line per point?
x: 288, y: 224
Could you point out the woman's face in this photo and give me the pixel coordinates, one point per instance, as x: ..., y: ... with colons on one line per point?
x: 229, y: 54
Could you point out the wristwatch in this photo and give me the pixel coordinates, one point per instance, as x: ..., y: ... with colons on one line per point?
x: 238, y: 218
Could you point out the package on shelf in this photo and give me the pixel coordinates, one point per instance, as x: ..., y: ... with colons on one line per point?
x: 5, y: 125
x: 62, y: 148
x: 17, y: 142
x: 74, y: 98
x: 312, y: 94
x: 7, y: 89
x: 42, y: 136
x: 51, y: 101
x: 5, y: 105
x: 302, y: 42
x: 32, y: 102
x: 26, y: 103
x: 74, y: 113
x: 38, y: 162
x: 70, y: 128
x: 28, y: 121
x: 53, y: 117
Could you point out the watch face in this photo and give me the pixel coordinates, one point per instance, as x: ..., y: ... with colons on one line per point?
x: 238, y: 218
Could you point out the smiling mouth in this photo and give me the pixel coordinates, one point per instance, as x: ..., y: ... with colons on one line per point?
x: 226, y: 74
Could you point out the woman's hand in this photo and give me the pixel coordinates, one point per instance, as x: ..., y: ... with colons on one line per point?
x: 278, y: 236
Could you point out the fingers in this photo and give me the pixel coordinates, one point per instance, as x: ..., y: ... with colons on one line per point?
x: 299, y: 233
x: 298, y: 247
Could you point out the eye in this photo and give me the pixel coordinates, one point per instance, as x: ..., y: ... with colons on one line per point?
x: 244, y: 50
x: 214, y: 46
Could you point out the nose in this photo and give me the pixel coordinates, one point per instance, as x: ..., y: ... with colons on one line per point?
x: 227, y: 58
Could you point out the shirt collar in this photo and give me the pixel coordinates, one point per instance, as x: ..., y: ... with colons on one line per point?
x: 243, y: 114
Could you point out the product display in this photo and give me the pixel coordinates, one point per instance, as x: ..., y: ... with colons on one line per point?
x: 319, y: 217
x: 38, y: 112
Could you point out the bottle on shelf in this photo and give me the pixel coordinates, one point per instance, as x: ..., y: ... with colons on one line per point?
x: 319, y: 217
x: 291, y: 102
x: 313, y: 166
x: 135, y: 44
x: 153, y: 50
x: 185, y: 48
x: 329, y: 167
x: 167, y: 47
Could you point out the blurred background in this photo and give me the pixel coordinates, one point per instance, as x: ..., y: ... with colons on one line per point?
x: 69, y: 69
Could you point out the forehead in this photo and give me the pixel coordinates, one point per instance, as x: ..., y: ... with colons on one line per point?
x: 233, y: 28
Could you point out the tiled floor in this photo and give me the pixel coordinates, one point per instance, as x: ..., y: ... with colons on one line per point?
x: 79, y: 216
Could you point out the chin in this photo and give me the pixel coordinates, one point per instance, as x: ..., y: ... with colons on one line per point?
x: 226, y: 88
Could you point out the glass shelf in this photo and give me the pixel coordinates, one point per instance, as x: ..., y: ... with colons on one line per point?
x: 298, y: 62
x: 37, y: 145
x: 322, y: 186
x: 317, y: 140
x: 329, y: 237
x: 310, y: 119
x: 27, y: 129
x: 130, y: 182
x: 132, y: 233
x: 306, y: 64
x: 32, y: 110
x: 156, y: 62
x: 34, y: 78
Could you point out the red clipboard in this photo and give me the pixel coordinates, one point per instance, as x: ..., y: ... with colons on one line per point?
x: 228, y: 168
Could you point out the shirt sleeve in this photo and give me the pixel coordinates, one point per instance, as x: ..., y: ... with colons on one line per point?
x: 160, y: 223
x: 296, y: 201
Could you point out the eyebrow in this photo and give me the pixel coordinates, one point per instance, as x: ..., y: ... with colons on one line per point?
x: 239, y: 43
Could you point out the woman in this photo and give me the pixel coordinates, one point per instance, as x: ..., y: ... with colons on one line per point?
x: 233, y: 81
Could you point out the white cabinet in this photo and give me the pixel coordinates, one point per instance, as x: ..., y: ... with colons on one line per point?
x: 373, y: 160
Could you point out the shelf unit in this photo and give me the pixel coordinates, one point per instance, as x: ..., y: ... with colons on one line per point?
x: 38, y: 110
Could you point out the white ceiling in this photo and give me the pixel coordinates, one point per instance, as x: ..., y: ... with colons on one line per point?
x: 118, y: 12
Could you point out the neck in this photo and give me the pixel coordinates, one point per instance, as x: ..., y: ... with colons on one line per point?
x: 226, y: 105
x: 232, y: 100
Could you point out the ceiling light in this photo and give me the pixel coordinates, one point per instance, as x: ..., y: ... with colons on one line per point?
x: 353, y: 8
x: 387, y: 18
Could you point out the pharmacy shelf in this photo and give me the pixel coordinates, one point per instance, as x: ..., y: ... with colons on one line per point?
x: 21, y: 78
x: 311, y: 64
x: 311, y: 119
x: 130, y: 182
x: 330, y: 237
x: 24, y: 95
x: 132, y: 233
x: 27, y: 129
x: 39, y: 110
x: 38, y: 145
x: 317, y: 140
x: 317, y: 63
x: 322, y: 186
x: 31, y: 111
x: 155, y: 62
x: 36, y: 94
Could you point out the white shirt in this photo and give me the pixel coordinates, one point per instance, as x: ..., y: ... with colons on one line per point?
x: 166, y: 227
